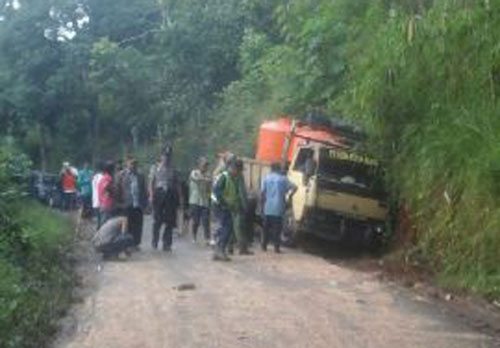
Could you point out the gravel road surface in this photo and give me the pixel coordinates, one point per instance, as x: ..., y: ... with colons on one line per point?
x: 266, y: 300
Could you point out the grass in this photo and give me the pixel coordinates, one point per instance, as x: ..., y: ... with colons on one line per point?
x: 36, y: 279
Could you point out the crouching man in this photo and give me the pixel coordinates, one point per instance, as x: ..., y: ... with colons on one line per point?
x: 113, y: 239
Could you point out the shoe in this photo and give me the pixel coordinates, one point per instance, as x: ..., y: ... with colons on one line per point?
x: 123, y: 256
x: 230, y: 251
x: 154, y: 245
x: 264, y: 247
x: 277, y: 250
x: 212, y: 242
x: 167, y: 249
x: 220, y: 257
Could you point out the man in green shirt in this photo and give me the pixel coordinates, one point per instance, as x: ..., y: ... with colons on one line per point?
x: 229, y: 201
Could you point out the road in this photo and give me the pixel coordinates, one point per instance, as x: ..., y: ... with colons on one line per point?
x: 266, y: 300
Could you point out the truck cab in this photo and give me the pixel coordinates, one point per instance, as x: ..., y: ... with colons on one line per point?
x: 340, y: 195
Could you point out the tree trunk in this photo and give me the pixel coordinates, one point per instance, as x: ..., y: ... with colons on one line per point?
x: 43, y: 148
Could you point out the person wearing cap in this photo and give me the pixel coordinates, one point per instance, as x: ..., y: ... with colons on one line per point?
x: 132, y: 197
x: 228, y: 200
x: 240, y: 235
x: 199, y: 199
x: 165, y: 196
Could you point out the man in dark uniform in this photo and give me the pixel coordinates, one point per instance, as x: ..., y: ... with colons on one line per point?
x: 165, y: 196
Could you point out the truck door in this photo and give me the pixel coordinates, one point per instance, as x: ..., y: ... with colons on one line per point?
x: 302, y: 174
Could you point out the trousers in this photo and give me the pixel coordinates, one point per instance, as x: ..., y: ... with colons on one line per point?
x: 135, y: 223
x: 119, y: 244
x: 200, y: 214
x: 226, y: 228
x: 272, y: 230
x: 164, y: 213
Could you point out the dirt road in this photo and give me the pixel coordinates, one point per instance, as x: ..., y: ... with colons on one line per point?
x: 266, y: 300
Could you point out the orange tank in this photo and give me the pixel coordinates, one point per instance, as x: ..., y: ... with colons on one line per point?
x: 273, y: 137
x: 271, y: 140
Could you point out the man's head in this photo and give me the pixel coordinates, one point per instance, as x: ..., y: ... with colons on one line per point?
x: 109, y: 167
x: 233, y: 167
x: 100, y: 166
x: 131, y: 164
x: 166, y: 153
x: 118, y: 164
x: 203, y: 164
x: 276, y: 167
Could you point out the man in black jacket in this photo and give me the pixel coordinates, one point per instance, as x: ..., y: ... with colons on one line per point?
x: 132, y: 197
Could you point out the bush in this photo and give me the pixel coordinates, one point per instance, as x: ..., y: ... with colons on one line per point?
x: 36, y: 280
x: 428, y: 86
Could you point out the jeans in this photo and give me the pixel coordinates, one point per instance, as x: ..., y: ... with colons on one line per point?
x: 225, y: 229
x: 135, y: 223
x: 68, y: 201
x: 105, y: 215
x: 119, y: 244
x: 272, y: 229
x: 200, y: 214
x: 98, y: 214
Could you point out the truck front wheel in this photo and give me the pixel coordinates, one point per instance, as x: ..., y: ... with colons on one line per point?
x: 290, y: 233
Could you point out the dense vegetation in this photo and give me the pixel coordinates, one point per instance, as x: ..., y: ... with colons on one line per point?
x: 36, y: 280
x: 87, y: 79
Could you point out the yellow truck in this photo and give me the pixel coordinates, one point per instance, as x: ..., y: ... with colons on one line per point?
x: 340, y: 192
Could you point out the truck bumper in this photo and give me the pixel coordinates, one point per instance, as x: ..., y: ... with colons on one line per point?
x: 335, y: 227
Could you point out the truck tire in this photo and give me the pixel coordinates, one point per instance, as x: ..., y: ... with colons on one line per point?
x: 290, y: 233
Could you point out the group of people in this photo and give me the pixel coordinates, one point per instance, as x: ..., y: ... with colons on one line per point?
x: 121, y: 198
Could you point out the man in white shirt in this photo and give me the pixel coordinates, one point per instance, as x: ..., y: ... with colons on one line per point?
x: 200, y: 184
x: 95, y: 194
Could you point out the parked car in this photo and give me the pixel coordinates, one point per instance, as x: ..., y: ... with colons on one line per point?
x: 45, y: 187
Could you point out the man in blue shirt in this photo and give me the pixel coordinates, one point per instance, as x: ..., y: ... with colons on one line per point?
x: 276, y: 188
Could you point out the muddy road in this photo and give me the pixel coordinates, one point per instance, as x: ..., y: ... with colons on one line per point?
x: 266, y: 300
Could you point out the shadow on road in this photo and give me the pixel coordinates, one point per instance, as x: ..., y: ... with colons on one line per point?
x: 341, y: 253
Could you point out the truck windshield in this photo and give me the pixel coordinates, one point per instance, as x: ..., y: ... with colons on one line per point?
x: 350, y: 172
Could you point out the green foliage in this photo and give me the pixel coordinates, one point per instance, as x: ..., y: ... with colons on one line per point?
x: 36, y: 280
x: 427, y: 88
x: 422, y: 77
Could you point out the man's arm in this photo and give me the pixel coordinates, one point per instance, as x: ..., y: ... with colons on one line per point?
x: 218, y: 190
x: 263, y: 196
x: 292, y: 188
x: 151, y: 182
x: 124, y: 225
